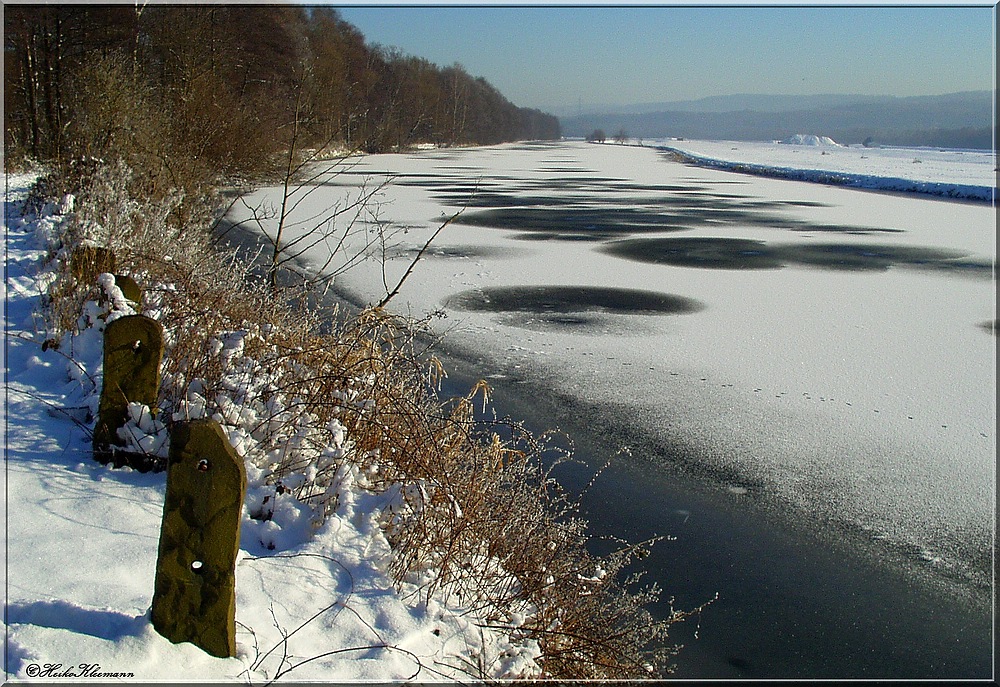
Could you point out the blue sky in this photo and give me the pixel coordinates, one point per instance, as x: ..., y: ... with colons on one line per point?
x: 560, y: 56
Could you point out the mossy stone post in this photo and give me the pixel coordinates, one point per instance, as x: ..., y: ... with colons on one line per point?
x: 130, y: 289
x: 194, y: 596
x: 133, y: 346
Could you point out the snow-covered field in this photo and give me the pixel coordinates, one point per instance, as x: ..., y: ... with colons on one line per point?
x: 81, y: 544
x: 825, y: 348
x: 953, y: 173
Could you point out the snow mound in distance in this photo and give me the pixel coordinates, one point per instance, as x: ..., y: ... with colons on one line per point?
x: 810, y: 140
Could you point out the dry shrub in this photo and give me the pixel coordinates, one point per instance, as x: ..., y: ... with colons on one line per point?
x: 475, y: 512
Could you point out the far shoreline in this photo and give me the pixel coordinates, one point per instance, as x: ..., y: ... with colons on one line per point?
x: 860, y: 182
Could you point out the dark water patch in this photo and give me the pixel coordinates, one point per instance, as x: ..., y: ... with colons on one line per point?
x: 593, y: 237
x: 576, y: 221
x: 755, y: 202
x: 567, y: 167
x: 383, y: 172
x: 450, y: 184
x: 839, y: 229
x: 711, y: 253
x: 589, y: 180
x: 658, y: 188
x: 719, y: 208
x: 491, y: 199
x: 455, y: 180
x: 804, y: 204
x: 552, y: 216
x: 745, y: 254
x: 782, y: 611
x: 553, y: 301
x: 433, y: 182
x: 704, y: 192
x: 467, y: 190
x: 873, y: 257
x: 568, y: 206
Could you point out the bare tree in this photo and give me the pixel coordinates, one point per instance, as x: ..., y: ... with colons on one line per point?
x: 349, y: 230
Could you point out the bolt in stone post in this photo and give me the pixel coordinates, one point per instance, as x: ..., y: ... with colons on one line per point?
x: 194, y: 597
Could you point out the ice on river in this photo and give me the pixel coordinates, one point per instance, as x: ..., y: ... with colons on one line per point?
x: 831, y: 350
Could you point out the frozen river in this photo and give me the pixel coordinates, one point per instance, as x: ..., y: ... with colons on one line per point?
x: 804, y: 377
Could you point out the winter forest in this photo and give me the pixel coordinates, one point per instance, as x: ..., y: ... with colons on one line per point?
x: 221, y: 88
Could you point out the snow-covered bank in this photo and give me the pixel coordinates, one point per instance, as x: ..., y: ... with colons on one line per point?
x: 314, y: 599
x: 960, y: 174
x: 823, y: 351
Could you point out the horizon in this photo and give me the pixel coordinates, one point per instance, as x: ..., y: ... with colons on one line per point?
x: 562, y: 58
x: 601, y: 108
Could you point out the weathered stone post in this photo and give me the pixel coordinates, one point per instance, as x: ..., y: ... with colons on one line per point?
x: 133, y: 346
x: 194, y: 597
x: 130, y: 289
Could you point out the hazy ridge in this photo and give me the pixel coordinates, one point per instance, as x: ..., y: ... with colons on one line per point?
x: 955, y: 120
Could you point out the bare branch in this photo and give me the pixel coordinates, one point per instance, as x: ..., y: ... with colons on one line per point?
x: 389, y: 296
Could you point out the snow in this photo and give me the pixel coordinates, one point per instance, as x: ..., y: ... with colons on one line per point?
x: 313, y: 597
x: 859, y: 396
x: 810, y: 140
x: 968, y: 174
x: 846, y: 373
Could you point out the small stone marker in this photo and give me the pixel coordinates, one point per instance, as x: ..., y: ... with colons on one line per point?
x: 130, y: 289
x: 133, y: 346
x: 89, y: 261
x: 194, y: 597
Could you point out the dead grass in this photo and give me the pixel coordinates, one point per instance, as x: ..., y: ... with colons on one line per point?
x: 476, y: 515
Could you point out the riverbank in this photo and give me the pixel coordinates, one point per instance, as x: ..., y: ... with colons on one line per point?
x: 812, y: 362
x: 374, y: 500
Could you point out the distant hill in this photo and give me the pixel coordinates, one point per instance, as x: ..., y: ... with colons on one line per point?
x: 722, y: 103
x: 955, y: 120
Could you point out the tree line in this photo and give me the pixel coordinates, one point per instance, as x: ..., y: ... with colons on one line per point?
x: 223, y: 88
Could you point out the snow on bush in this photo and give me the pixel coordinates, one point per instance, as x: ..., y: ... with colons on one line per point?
x: 309, y: 489
x: 355, y: 467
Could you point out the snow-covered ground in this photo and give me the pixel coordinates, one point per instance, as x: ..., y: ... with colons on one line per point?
x: 823, y: 348
x: 81, y: 544
x: 970, y: 174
